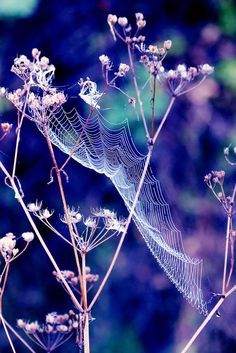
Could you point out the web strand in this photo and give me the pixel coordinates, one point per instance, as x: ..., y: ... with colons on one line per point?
x: 109, y: 149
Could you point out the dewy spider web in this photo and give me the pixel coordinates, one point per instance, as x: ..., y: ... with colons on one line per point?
x: 109, y: 149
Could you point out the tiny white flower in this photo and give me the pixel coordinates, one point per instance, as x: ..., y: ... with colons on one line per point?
x: 2, y: 91
x: 206, y: 69
x: 15, y: 251
x: 171, y: 74
x: 34, y: 206
x: 181, y: 68
x: 28, y: 236
x: 90, y: 222
x: 7, y: 245
x: 20, y: 323
x: 104, y: 59
x: 45, y: 213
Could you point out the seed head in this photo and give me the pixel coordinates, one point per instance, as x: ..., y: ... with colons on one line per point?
x: 167, y: 44
x: 111, y: 19
x: 6, y: 127
x: 123, y: 21
x: 28, y: 236
x: 104, y: 59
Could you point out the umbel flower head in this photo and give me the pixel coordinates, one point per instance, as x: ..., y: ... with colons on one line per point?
x: 54, y: 332
x: 8, y: 246
x: 183, y: 79
x: 90, y: 232
x: 36, y: 72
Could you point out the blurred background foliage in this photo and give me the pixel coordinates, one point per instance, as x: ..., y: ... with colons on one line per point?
x: 139, y: 311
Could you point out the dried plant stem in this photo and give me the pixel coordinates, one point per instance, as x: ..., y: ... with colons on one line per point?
x: 31, y: 221
x: 86, y: 324
x: 131, y: 213
x: 20, y: 122
x: 2, y: 288
x: 18, y: 336
x: 228, y: 231
x: 231, y: 264
x: 164, y: 119
x: 7, y: 334
x: 137, y: 92
x: 65, y: 207
x: 153, y: 104
x: 229, y: 222
x: 207, y: 319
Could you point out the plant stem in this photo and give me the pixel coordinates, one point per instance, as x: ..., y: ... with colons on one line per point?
x: 137, y: 92
x: 7, y: 334
x: 4, y: 286
x: 229, y: 220
x: 164, y: 119
x: 20, y: 122
x: 207, y: 319
x: 229, y: 229
x: 18, y: 336
x: 65, y: 207
x: 31, y: 221
x: 153, y: 105
x: 132, y: 209
x: 86, y: 324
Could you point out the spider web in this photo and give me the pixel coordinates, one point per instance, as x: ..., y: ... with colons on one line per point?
x: 109, y: 149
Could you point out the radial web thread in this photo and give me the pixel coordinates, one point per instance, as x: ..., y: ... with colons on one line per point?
x: 109, y: 149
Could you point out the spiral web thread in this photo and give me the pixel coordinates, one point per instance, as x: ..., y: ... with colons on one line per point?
x: 109, y: 149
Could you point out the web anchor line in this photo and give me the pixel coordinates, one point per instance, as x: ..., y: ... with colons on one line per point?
x: 109, y: 149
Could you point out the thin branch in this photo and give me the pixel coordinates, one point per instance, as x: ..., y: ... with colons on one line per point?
x: 65, y: 207
x: 7, y: 334
x: 153, y: 104
x: 207, y: 319
x: 4, y: 286
x: 20, y: 122
x: 18, y: 336
x: 137, y: 92
x: 164, y: 119
x: 229, y: 229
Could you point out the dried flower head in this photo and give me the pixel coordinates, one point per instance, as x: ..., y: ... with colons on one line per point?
x: 112, y: 19
x: 6, y: 127
x: 45, y: 213
x: 104, y: 60
x: 7, y: 246
x: 54, y: 332
x: 34, y: 206
x: 182, y: 79
x: 27, y: 236
x: 123, y: 21
x: 123, y: 69
x: 38, y: 72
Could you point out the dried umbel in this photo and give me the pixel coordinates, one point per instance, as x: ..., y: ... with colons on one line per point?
x: 56, y: 330
x: 73, y: 279
x: 183, y: 79
x: 8, y: 243
x: 8, y: 246
x: 36, y: 72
